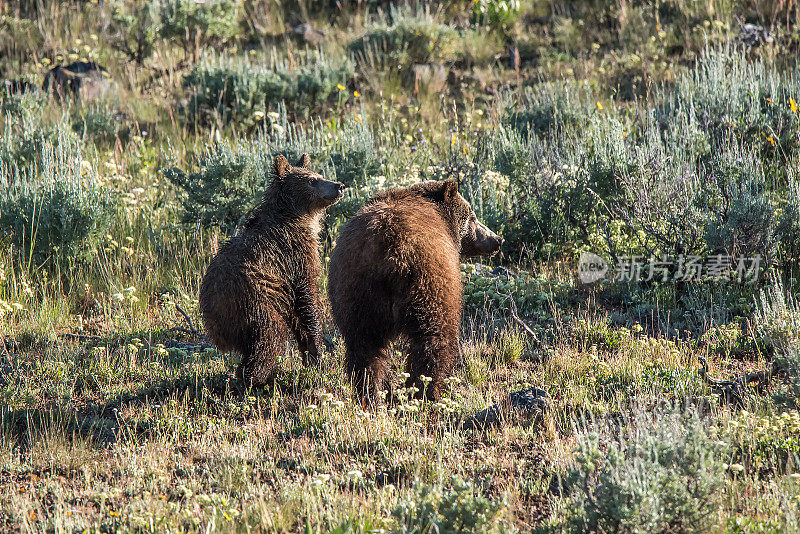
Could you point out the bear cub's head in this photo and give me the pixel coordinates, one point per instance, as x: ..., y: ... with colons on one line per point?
x: 476, y: 238
x: 309, y: 190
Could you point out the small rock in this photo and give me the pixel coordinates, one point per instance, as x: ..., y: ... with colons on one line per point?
x: 501, y: 271
x: 754, y: 35
x: 519, y: 406
x: 85, y: 80
x: 309, y: 34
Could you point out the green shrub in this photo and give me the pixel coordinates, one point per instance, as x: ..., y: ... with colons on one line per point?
x: 729, y: 96
x: 353, y: 155
x: 236, y: 89
x: 551, y: 106
x: 536, y: 226
x: 662, y: 202
x: 699, y: 174
x: 496, y: 13
x: 101, y: 124
x: 788, y: 230
x: 24, y: 143
x: 744, y: 220
x: 559, y: 189
x: 662, y: 472
x: 231, y: 182
x: 233, y: 176
x: 405, y: 36
x: 791, y: 363
x: 134, y: 28
x: 600, y: 334
x: 197, y: 24
x: 51, y: 211
x: 24, y: 107
x: 770, y: 443
x: 449, y: 510
x: 777, y: 321
x: 722, y: 339
x: 532, y: 295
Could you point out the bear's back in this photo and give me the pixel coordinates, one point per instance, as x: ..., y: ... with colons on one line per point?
x: 395, y: 236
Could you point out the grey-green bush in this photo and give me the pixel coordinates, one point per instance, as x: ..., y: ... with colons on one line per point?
x: 406, y: 35
x: 744, y: 221
x: 24, y: 141
x: 560, y: 185
x: 788, y: 229
x: 101, y: 124
x: 231, y: 182
x: 551, y: 105
x: 27, y: 106
x: 50, y: 210
x: 777, y: 322
x: 238, y: 89
x: 661, y: 472
x: 449, y: 509
x: 196, y: 24
x: 134, y: 28
x: 232, y: 177
x: 728, y: 96
x: 495, y: 13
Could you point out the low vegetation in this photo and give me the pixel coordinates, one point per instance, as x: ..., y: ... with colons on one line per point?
x: 662, y: 137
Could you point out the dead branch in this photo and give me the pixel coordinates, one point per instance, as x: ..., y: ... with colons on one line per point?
x: 515, y: 316
x: 80, y: 337
x: 188, y: 319
x: 734, y: 390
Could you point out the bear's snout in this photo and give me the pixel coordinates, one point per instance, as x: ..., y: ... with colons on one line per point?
x: 329, y: 190
x: 487, y: 242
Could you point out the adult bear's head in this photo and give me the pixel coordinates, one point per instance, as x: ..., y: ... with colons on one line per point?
x: 309, y: 192
x: 476, y: 238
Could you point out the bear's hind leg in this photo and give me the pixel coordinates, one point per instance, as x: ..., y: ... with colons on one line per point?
x: 366, y: 367
x: 267, y: 344
x: 433, y: 357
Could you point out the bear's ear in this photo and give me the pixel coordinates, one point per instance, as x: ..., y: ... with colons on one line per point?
x: 304, y: 162
x: 450, y: 190
x: 279, y: 167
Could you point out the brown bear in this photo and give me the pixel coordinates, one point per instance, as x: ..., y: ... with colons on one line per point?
x: 395, y: 272
x: 262, y: 285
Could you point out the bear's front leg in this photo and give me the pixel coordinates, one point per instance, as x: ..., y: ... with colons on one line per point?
x: 306, y: 325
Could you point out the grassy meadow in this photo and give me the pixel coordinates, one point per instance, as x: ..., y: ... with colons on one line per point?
x: 661, y: 130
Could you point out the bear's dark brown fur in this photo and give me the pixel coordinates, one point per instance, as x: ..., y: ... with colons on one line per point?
x: 262, y: 285
x: 395, y: 271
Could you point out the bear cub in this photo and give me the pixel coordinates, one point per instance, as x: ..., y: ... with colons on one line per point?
x: 395, y: 272
x: 261, y: 287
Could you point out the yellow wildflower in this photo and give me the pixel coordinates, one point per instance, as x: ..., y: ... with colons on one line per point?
x: 340, y: 87
x: 599, y: 106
